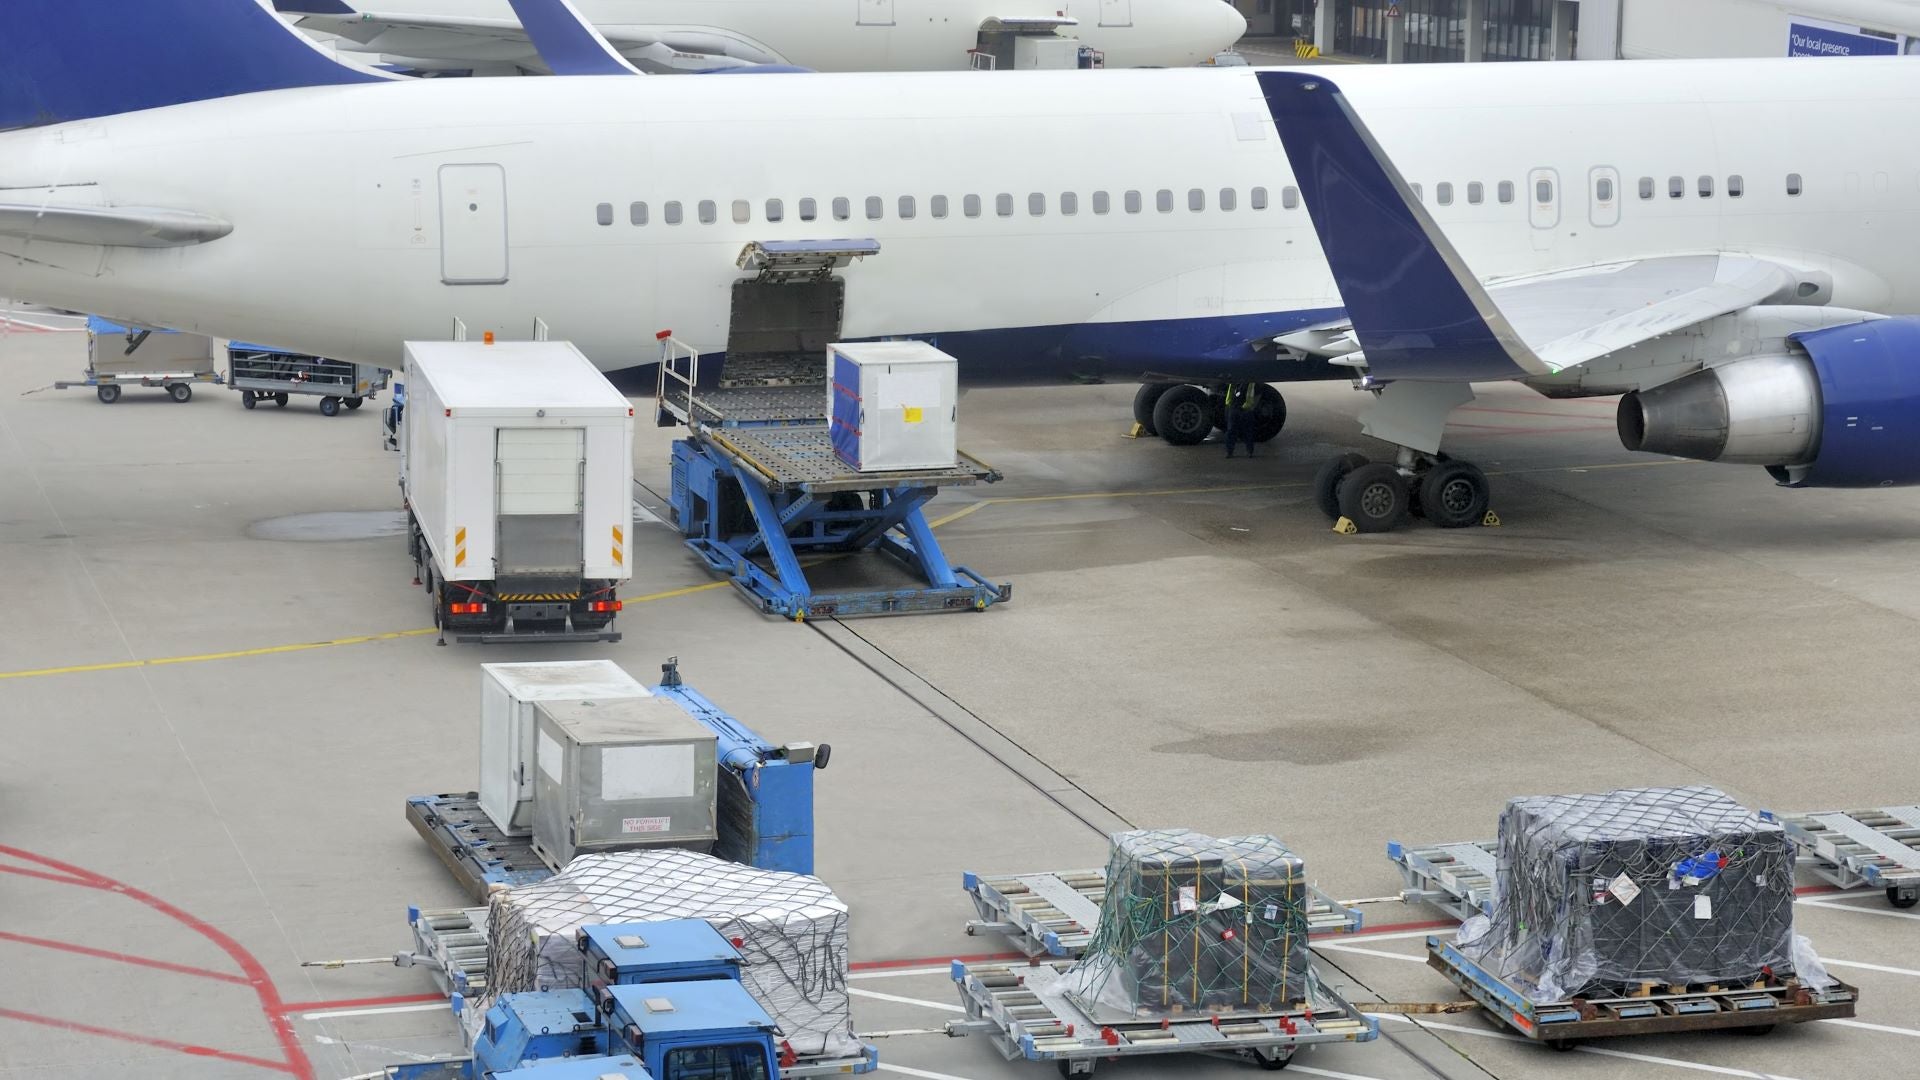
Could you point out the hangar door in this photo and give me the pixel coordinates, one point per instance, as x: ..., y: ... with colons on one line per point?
x: 473, y: 224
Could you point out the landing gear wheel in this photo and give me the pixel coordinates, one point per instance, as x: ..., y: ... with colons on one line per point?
x: 1903, y: 898
x: 1326, y: 482
x: 107, y: 394
x: 353, y: 403
x: 1374, y: 497
x: 280, y: 400
x: 247, y: 400
x: 1454, y: 494
x: 1183, y: 416
x: 329, y: 406
x: 1269, y: 413
x: 1144, y: 399
x: 180, y: 392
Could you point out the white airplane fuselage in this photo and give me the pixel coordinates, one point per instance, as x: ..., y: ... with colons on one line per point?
x: 350, y: 211
x: 883, y: 35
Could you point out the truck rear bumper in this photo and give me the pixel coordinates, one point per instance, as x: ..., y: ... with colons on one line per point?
x: 501, y: 637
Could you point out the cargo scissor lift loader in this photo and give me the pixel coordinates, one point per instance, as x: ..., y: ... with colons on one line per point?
x: 757, y: 485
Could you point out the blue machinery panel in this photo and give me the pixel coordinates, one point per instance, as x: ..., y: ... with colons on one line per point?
x: 755, y: 523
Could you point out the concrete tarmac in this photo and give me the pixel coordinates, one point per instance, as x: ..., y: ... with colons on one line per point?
x: 219, y: 686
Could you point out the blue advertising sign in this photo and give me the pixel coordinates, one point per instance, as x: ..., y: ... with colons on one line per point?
x: 1806, y: 38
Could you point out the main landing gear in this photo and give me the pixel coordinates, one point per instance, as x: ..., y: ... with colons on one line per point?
x: 1184, y: 414
x: 1374, y: 496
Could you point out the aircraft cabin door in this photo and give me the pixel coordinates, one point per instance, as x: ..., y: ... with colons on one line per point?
x: 1116, y: 12
x: 473, y: 224
x: 1603, y: 195
x: 874, y: 13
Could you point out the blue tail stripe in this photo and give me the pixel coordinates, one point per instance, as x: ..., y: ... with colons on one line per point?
x: 1416, y: 310
x: 566, y: 41
x: 75, y: 59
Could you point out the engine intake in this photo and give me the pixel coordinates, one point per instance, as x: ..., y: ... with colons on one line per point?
x: 1840, y: 409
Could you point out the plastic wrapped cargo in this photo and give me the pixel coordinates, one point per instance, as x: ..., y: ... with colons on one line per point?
x: 1194, y: 923
x: 1607, y: 893
x: 791, y: 932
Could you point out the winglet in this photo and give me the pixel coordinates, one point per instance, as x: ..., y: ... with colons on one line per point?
x: 567, y: 41
x: 1417, y: 310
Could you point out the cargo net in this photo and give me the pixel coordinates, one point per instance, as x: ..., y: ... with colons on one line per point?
x: 1637, y: 891
x: 1196, y: 924
x: 791, y: 931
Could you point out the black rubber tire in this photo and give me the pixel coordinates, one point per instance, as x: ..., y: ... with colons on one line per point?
x: 280, y: 400
x: 1272, y: 1064
x: 1454, y: 495
x: 353, y: 403
x: 1374, y: 497
x: 1269, y: 413
x: 246, y: 399
x: 107, y: 394
x: 1562, y: 1045
x: 1893, y: 897
x: 1756, y: 1030
x: 1326, y: 482
x: 1183, y: 416
x: 329, y: 406
x: 1144, y: 399
x: 180, y: 392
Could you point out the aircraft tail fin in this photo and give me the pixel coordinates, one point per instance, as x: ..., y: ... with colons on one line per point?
x: 76, y: 59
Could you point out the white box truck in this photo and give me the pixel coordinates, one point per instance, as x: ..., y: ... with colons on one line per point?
x: 893, y: 405
x: 516, y: 467
x: 508, y: 694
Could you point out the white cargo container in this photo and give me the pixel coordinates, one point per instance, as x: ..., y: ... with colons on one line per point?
x: 508, y: 693
x: 635, y: 772
x: 893, y: 404
x: 517, y: 472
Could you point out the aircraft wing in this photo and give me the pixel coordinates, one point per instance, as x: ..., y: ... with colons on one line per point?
x: 1568, y: 317
x: 444, y: 40
x: 1414, y: 309
x: 109, y: 226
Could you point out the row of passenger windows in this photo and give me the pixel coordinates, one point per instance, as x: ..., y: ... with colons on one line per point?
x: 907, y: 207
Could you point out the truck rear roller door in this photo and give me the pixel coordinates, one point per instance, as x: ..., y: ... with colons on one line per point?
x: 540, y: 475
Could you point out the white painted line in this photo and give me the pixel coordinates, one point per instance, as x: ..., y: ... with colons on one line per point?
x: 1439, y: 931
x: 878, y: 996
x: 1835, y: 906
x: 1863, y: 1025
x: 428, y: 1007
x: 1718, y: 1070
x: 897, y: 972
x: 1382, y: 953
x: 904, y: 1071
x: 1830, y: 961
x: 1311, y: 1071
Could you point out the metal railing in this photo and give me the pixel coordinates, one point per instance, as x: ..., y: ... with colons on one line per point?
x: 679, y: 366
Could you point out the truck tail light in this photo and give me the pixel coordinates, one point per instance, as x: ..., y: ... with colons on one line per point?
x: 605, y: 605
x: 466, y: 609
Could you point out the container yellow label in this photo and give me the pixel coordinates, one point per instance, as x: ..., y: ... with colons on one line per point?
x: 913, y: 416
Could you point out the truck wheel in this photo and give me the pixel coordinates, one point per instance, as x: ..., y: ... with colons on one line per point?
x: 353, y: 403
x: 180, y: 392
x: 329, y: 406
x: 280, y: 400
x: 107, y: 394
x: 246, y: 399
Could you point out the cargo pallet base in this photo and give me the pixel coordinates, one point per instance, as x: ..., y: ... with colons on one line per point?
x: 1053, y: 913
x: 1853, y: 848
x: 1562, y: 1024
x: 1026, y: 1012
x: 472, y: 847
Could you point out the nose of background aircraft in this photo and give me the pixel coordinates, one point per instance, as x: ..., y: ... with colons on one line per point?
x: 1230, y: 24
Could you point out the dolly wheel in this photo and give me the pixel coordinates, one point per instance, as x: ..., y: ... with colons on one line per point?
x: 246, y: 399
x: 180, y: 392
x: 353, y: 403
x: 108, y: 394
x: 1278, y: 1059
x: 1563, y: 1045
x: 1903, y: 897
x: 329, y: 406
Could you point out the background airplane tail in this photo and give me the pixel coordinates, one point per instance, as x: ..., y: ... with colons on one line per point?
x: 74, y: 59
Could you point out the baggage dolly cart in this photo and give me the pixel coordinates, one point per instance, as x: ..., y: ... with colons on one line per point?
x: 1026, y: 1011
x: 261, y: 373
x: 1758, y: 1006
x: 121, y: 356
x: 1851, y: 848
x: 1053, y: 913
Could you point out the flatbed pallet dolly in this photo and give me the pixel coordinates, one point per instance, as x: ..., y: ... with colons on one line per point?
x: 1877, y: 849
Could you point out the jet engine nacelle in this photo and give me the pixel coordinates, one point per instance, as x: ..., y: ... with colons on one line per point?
x: 1840, y: 408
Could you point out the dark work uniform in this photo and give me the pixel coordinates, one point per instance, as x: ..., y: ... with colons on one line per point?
x: 1239, y: 418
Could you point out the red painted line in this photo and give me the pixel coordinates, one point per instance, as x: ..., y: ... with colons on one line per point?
x: 354, y: 1003
x: 1394, y: 928
x: 256, y: 974
x: 145, y: 1040
x: 932, y: 961
x: 43, y: 875
x: 1816, y: 890
x: 124, y: 958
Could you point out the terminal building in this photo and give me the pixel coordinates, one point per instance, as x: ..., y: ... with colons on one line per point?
x: 1417, y: 31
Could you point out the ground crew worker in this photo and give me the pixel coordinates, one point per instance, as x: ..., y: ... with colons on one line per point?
x: 1239, y: 415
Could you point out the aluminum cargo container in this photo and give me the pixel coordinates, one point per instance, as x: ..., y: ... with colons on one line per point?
x: 508, y: 693
x: 893, y: 404
x: 633, y: 772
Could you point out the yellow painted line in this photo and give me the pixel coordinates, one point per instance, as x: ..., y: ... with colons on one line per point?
x: 671, y: 593
x: 236, y: 654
